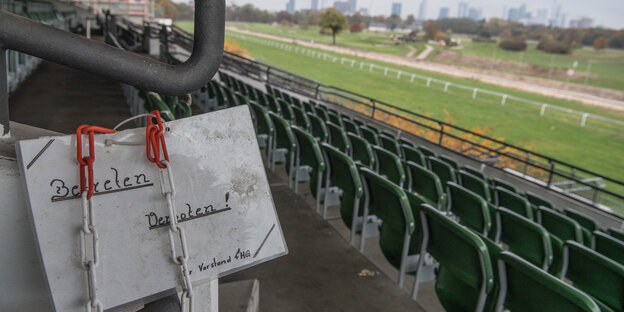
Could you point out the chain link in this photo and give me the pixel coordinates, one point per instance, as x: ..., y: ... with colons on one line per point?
x: 175, y: 231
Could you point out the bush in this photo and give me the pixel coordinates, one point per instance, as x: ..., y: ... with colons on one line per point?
x: 481, y: 39
x: 552, y: 46
x: 515, y: 44
x: 355, y: 27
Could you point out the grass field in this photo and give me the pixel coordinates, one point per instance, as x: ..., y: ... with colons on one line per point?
x: 606, y: 68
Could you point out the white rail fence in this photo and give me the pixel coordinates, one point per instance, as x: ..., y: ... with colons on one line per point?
x: 400, y: 74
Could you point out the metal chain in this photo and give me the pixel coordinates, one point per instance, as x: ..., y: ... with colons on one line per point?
x: 168, y: 191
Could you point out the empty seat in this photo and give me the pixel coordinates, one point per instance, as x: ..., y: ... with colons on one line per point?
x: 513, y: 202
x: 286, y: 110
x: 427, y: 184
x: 609, y: 247
x: 412, y: 154
x: 475, y: 172
x: 301, y: 118
x: 284, y: 146
x: 404, y: 141
x: 444, y: 171
x: 524, y: 287
x: 343, y: 174
x: 308, y: 107
x: 537, y: 201
x: 496, y: 182
x: 524, y: 237
x: 390, y: 144
x: 449, y: 161
x: 362, y: 151
x: 615, y: 233
x: 470, y: 209
x: 587, y: 224
x: 474, y: 184
x: 309, y: 155
x: 335, y: 118
x: 321, y: 111
x: 350, y: 126
x: 387, y: 133
x: 559, y: 225
x: 273, y: 105
x: 264, y: 126
x: 338, y: 138
x: 369, y: 135
x: 595, y: 275
x: 465, y: 276
x: 399, y: 236
x: 296, y: 102
x: 389, y: 165
x: 426, y: 151
x: 318, y: 128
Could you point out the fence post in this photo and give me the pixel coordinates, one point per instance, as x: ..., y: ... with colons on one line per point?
x: 342, y: 59
x: 551, y: 172
x: 526, y: 163
x: 399, y: 74
x: 543, y: 109
x: 504, y: 99
x: 584, y: 119
x: 413, y: 76
x: 428, y: 82
x: 446, y: 86
x: 371, y: 68
x: 267, y: 74
x: 386, y: 71
x: 474, y: 93
x: 374, y: 107
x: 361, y: 65
x: 441, y: 133
x: 316, y: 93
x: 352, y: 63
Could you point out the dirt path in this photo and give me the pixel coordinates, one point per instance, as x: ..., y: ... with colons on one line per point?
x: 423, y: 55
x: 412, y: 51
x: 455, y: 71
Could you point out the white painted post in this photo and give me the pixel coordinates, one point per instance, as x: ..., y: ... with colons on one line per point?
x: 335, y: 59
x: 342, y: 59
x: 399, y: 74
x: 413, y: 76
x: 474, y: 93
x: 504, y: 99
x: 386, y: 71
x: 428, y: 82
x: 543, y: 109
x: 446, y: 86
x: 88, y: 28
x: 361, y: 65
x: 352, y: 63
x: 584, y: 119
x: 371, y: 68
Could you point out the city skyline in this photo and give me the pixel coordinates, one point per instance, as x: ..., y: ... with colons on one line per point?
x: 604, y: 12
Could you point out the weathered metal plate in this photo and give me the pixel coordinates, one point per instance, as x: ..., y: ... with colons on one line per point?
x: 222, y: 196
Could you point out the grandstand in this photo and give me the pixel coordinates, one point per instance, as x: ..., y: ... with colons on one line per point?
x: 383, y: 209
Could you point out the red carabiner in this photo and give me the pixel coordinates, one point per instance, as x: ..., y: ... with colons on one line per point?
x: 87, y: 161
x: 155, y: 140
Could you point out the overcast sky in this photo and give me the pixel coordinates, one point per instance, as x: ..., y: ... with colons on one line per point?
x: 609, y: 13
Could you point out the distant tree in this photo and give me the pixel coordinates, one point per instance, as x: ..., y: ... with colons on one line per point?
x: 166, y: 9
x: 617, y: 40
x: 431, y: 30
x: 356, y: 18
x: 409, y: 21
x: 313, y: 18
x: 284, y: 16
x: 355, y: 27
x: 266, y: 17
x: 485, y: 34
x: 513, y: 44
x: 394, y: 21
x: 185, y: 12
x: 600, y: 43
x: 335, y: 21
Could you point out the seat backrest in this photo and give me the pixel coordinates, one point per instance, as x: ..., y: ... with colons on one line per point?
x: 452, y: 162
x: 389, y: 203
x: 496, y: 182
x: 343, y: 173
x: 301, y: 118
x: 525, y: 238
x: 559, y: 225
x: 525, y: 287
x: 474, y: 184
x: 296, y: 102
x: 465, y: 276
x: 537, y: 201
x: 390, y: 144
x: 335, y: 118
x: 284, y: 137
x: 608, y: 246
x: 588, y: 225
x: 350, y: 126
x: 444, y: 171
x: 410, y: 153
x: 273, y: 105
x: 321, y: 111
x: 369, y: 135
x: 389, y: 165
x: 309, y: 152
x: 470, y: 209
x: 404, y: 141
x: 427, y: 184
x: 475, y: 172
x: 286, y: 110
x: 269, y: 89
x: 617, y: 234
x: 362, y: 151
x: 513, y: 202
x: 241, y: 99
x: 318, y: 128
x: 594, y: 274
x: 426, y: 151
x: 308, y: 107
x: 263, y: 121
x: 338, y: 138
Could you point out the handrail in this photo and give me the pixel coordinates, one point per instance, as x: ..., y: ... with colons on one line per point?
x: 23, y: 35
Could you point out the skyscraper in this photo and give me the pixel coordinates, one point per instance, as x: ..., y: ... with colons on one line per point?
x: 396, y: 8
x: 290, y: 6
x: 352, y: 6
x: 422, y: 11
x: 444, y: 13
x: 463, y: 10
x: 475, y: 14
x: 314, y: 5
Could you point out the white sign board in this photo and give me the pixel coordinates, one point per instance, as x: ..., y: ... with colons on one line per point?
x: 223, y: 201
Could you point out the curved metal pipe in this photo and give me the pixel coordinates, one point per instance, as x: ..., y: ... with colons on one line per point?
x: 21, y: 34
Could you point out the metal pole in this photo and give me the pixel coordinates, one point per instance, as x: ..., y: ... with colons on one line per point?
x: 4, y: 93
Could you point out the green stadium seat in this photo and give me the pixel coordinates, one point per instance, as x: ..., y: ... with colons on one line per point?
x: 557, y: 251
x: 565, y: 228
x: 465, y: 276
x: 390, y: 134
x: 524, y: 287
x: 308, y: 107
x: 318, y: 128
x: 358, y: 122
x: 350, y: 126
x: 496, y: 182
x: 537, y: 201
x: 474, y: 184
x: 412, y: 154
x: 426, y: 151
x: 427, y: 184
x: 335, y: 119
x: 264, y: 126
x: 269, y: 89
x: 470, y: 209
x: 343, y: 174
x: 338, y: 138
x: 390, y: 144
x: 444, y: 171
x: 494, y: 250
x: 615, y: 233
x: 524, y: 237
x: 369, y: 135
x: 404, y: 141
x: 587, y: 224
x: 594, y: 274
x: 273, y: 105
x: 284, y: 146
x: 475, y: 172
x: 296, y: 102
x: 513, y: 202
x: 309, y: 155
x: 389, y: 166
x: 321, y: 111
x: 399, y: 236
x: 301, y: 118
x: 608, y: 246
x: 286, y: 110
x: 362, y: 152
x: 286, y: 97
x: 241, y: 99
x: 449, y: 161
